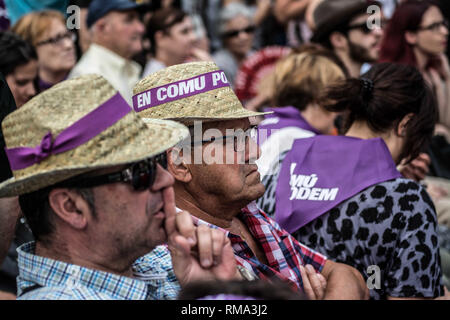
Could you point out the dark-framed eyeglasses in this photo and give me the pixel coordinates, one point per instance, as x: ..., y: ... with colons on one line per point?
x: 366, y: 28
x: 240, y: 139
x: 435, y: 27
x: 140, y: 175
x: 58, y: 39
x: 235, y: 33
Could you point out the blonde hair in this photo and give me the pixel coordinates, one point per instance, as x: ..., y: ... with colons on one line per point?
x: 33, y: 26
x: 300, y: 78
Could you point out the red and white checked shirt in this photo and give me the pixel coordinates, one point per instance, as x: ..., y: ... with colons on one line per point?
x: 283, y: 252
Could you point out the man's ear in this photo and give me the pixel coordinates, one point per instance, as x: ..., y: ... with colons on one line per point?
x: 177, y: 166
x: 401, y: 128
x: 338, y: 40
x: 411, y: 37
x: 70, y: 207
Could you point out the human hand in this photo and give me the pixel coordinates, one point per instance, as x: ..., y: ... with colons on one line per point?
x: 198, y: 253
x: 314, y: 284
x: 198, y: 54
x: 417, y: 169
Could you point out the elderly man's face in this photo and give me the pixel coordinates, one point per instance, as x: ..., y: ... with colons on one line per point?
x: 236, y: 183
x: 131, y: 221
x: 124, y: 31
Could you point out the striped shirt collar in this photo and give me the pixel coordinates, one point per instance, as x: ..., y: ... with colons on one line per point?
x: 46, y: 272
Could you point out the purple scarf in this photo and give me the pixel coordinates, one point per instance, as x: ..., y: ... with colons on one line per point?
x: 282, y: 117
x: 320, y: 172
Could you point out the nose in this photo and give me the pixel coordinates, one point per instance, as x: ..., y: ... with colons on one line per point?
x: 244, y: 34
x: 378, y: 32
x: 30, y: 90
x: 163, y: 179
x: 67, y: 43
x: 139, y: 26
x: 254, y: 151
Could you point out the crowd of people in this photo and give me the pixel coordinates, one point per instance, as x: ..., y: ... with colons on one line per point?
x: 131, y: 167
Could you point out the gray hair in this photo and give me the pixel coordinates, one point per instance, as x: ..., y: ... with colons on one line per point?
x: 232, y: 11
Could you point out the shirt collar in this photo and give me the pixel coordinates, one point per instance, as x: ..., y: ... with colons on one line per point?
x: 251, y: 208
x: 113, y: 59
x: 47, y: 272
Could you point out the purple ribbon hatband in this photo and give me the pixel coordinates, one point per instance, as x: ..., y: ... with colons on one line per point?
x: 78, y: 133
x: 179, y: 90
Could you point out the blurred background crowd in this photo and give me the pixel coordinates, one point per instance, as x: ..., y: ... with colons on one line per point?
x: 274, y: 53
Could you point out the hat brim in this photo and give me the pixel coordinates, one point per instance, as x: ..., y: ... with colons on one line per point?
x: 163, y: 135
x: 241, y: 115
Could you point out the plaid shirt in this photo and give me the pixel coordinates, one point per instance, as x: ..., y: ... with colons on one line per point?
x: 153, y: 279
x: 283, y: 252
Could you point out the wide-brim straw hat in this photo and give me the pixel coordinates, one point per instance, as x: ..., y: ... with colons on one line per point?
x: 212, y: 105
x: 127, y: 140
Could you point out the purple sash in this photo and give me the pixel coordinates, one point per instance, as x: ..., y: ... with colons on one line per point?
x: 179, y: 90
x: 322, y: 171
x: 83, y: 130
x: 281, y: 118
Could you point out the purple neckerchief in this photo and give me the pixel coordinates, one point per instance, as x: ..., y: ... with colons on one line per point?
x: 78, y: 133
x: 44, y: 85
x: 283, y: 117
x: 179, y: 90
x: 320, y: 172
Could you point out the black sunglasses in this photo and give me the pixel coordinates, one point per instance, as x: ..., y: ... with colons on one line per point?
x: 141, y: 175
x: 235, y: 33
x: 435, y: 26
x: 364, y: 27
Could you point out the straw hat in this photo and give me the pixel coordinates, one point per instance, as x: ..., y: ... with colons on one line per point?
x: 211, y: 104
x: 126, y: 140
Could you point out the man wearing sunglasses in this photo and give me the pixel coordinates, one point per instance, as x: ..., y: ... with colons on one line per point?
x: 352, y: 29
x: 92, y: 184
x: 217, y: 180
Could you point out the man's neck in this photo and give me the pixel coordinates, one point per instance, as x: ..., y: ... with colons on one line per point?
x: 111, y: 48
x: 85, y: 257
x: 206, y: 210
x: 353, y: 67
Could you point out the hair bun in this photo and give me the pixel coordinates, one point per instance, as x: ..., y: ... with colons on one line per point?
x: 367, y: 88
